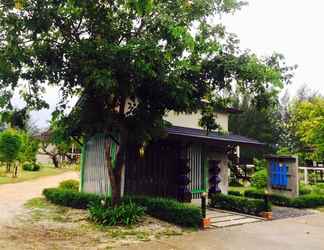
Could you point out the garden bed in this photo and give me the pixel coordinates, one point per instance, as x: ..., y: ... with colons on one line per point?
x: 47, y: 226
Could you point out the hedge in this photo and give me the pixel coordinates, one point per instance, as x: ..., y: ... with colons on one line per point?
x: 240, y: 204
x: 307, y: 201
x: 170, y: 210
x: 303, y: 201
x: 70, y: 198
x: 278, y: 200
x: 235, y: 193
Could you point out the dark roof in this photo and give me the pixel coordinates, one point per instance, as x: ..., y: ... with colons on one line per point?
x: 212, y: 136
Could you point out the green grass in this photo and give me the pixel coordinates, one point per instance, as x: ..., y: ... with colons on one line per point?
x: 47, y: 170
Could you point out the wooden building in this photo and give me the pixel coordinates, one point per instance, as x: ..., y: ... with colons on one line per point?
x: 186, y: 163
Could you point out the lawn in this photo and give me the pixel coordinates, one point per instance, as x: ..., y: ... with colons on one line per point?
x: 46, y: 170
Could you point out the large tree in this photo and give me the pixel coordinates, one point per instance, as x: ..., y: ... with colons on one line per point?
x: 131, y: 61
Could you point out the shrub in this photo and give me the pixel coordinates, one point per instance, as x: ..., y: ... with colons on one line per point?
x: 235, y: 193
x: 70, y: 198
x: 304, y: 189
x: 70, y: 184
x: 128, y: 213
x: 308, y: 201
x: 235, y: 183
x: 319, y: 189
x: 240, y: 204
x: 259, y: 179
x: 171, y: 210
x: 31, y: 167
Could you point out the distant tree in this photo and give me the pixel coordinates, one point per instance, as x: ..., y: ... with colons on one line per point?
x: 263, y: 124
x: 56, y: 142
x: 15, y: 118
x: 29, y: 148
x: 10, y: 146
x: 307, y: 124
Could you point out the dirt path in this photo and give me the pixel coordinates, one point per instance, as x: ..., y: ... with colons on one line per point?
x: 13, y: 196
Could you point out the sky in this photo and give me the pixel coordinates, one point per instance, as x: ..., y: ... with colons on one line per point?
x: 293, y: 28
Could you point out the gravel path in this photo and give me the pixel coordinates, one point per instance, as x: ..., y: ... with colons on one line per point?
x: 13, y: 196
x: 289, y: 212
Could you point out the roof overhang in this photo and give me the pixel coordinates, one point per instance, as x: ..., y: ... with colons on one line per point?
x: 211, y: 137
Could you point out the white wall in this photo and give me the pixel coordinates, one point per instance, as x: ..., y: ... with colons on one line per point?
x: 192, y: 120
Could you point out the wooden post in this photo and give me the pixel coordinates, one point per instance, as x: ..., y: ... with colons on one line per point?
x: 305, y: 176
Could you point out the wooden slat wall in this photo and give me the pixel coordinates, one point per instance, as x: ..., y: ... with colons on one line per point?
x: 96, y: 177
x: 155, y: 174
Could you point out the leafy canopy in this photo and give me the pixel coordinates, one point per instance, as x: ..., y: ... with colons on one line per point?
x: 131, y: 61
x: 307, y: 123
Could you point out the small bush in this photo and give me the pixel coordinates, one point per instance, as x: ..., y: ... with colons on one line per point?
x: 240, y: 204
x: 235, y: 193
x: 235, y: 183
x: 70, y: 198
x: 126, y: 214
x: 171, y: 210
x: 70, y: 184
x: 31, y: 167
x: 259, y: 179
x: 304, y: 189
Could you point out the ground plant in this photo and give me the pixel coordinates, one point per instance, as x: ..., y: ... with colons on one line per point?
x: 126, y: 214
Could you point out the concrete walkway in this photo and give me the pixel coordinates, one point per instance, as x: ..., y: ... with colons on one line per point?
x: 13, y: 196
x: 220, y: 218
x: 302, y: 233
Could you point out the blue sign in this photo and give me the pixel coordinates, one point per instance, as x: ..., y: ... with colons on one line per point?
x: 279, y: 174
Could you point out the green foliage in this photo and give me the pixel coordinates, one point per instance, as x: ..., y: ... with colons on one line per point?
x: 70, y: 184
x: 10, y: 145
x: 170, y: 210
x: 304, y: 189
x: 31, y: 167
x: 307, y: 125
x: 240, y: 204
x: 260, y: 179
x: 70, y: 198
x: 29, y: 148
x: 127, y: 213
x: 235, y: 183
x: 235, y: 193
x: 319, y: 189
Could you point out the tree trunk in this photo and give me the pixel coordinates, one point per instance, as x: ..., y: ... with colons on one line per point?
x: 55, y: 161
x: 115, y: 172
